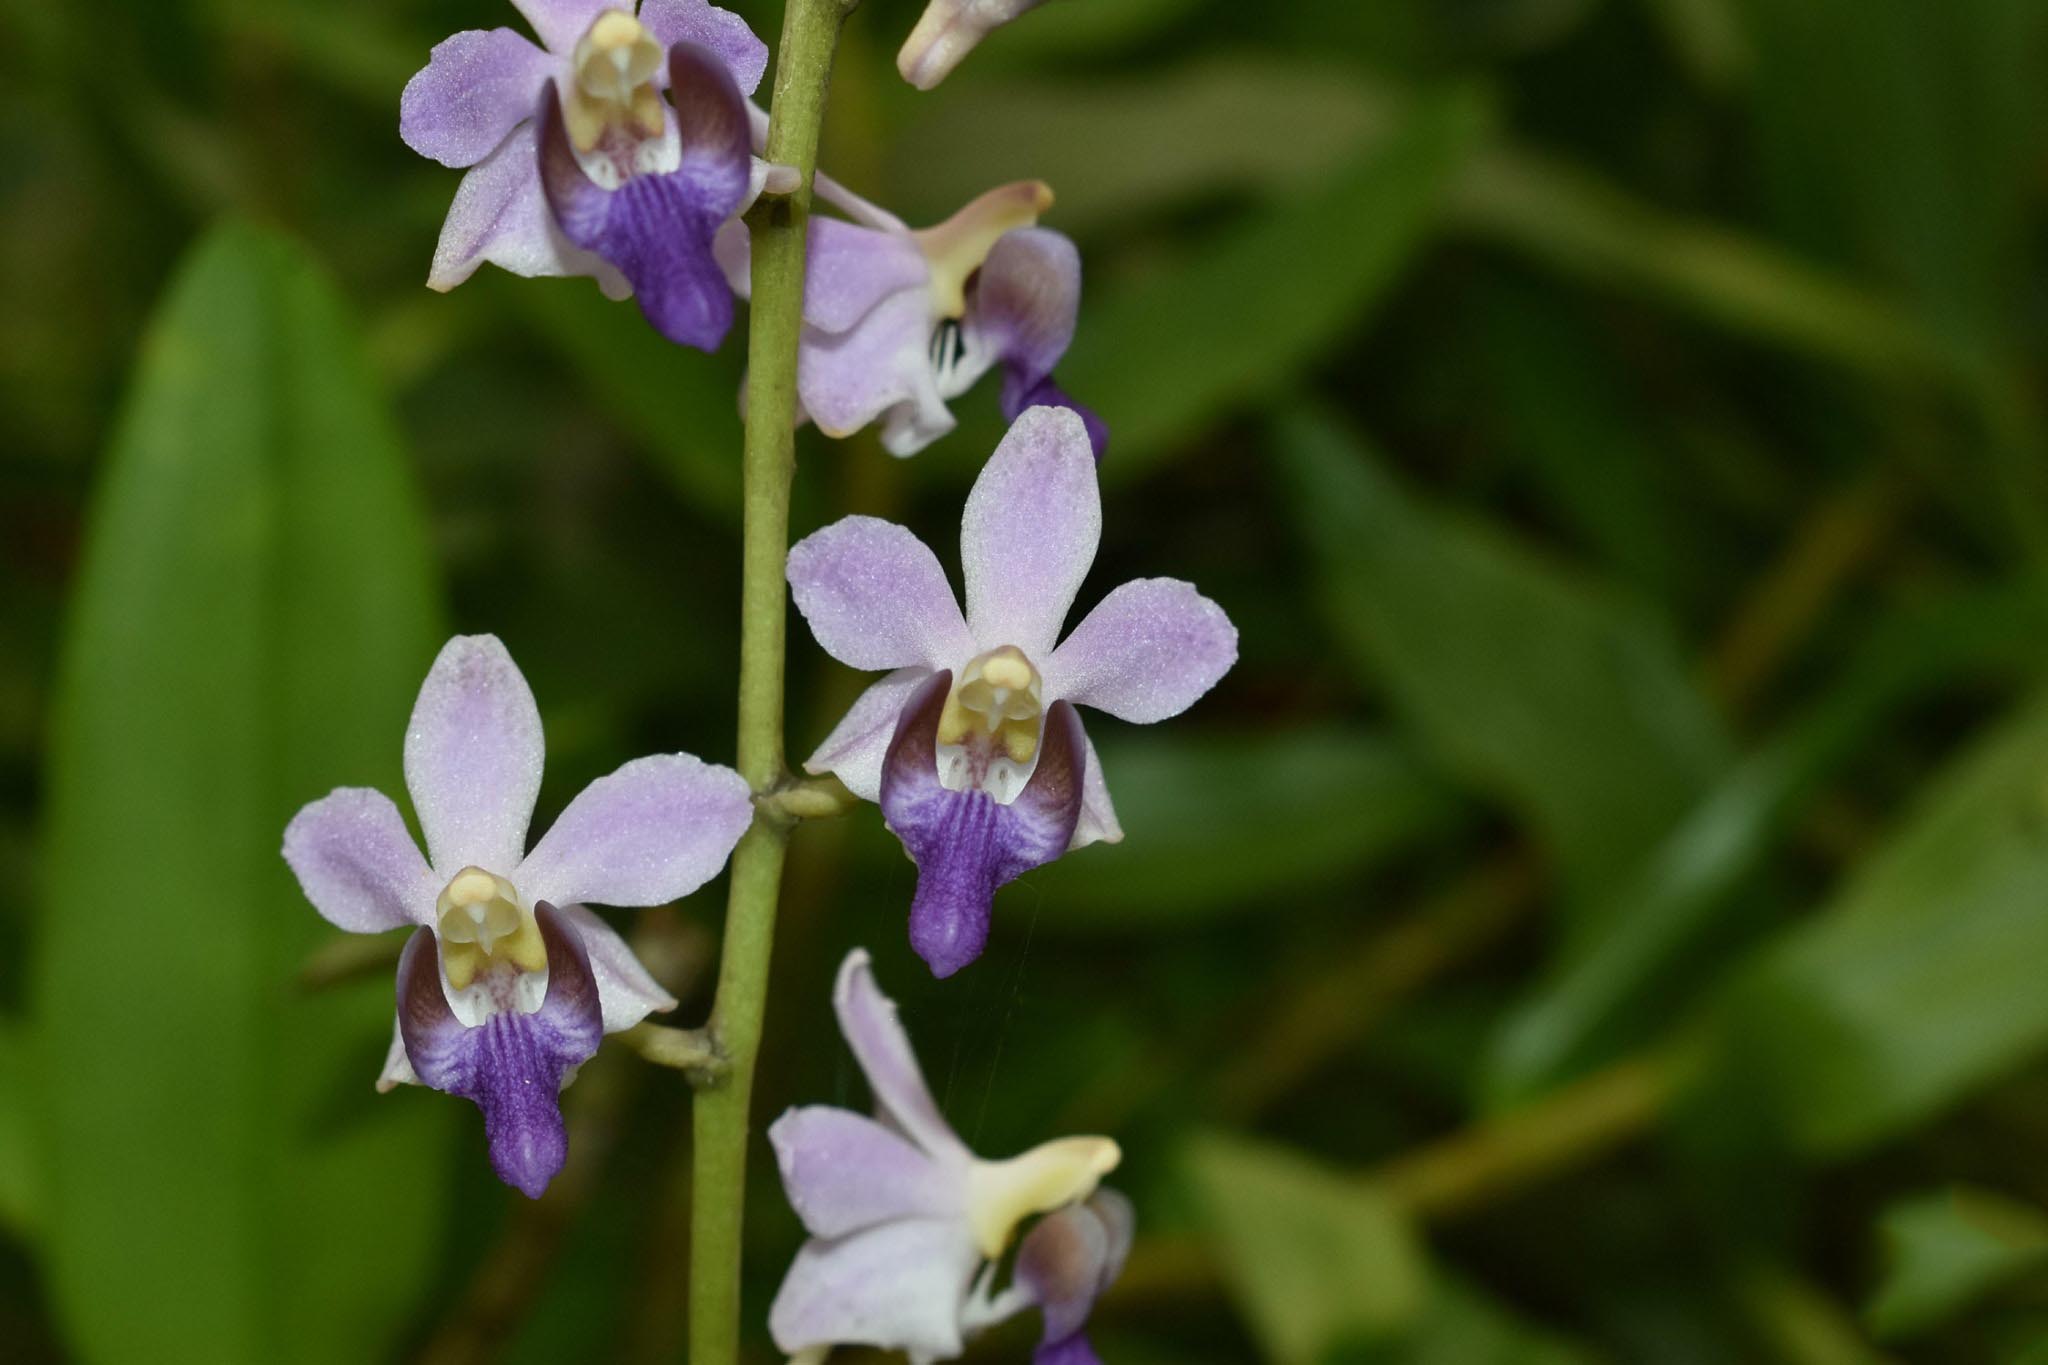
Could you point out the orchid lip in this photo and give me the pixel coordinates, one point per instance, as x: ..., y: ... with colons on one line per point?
x: 512, y: 1063
x: 965, y: 843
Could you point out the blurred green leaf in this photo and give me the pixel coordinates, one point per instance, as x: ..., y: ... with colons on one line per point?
x: 1946, y: 1251
x: 1564, y: 698
x: 1561, y: 407
x: 1921, y: 980
x: 1314, y: 1258
x: 1661, y: 911
x: 1900, y: 138
x: 1573, y: 220
x: 1279, y: 288
x: 1463, y: 1326
x: 1115, y: 149
x: 682, y: 407
x: 21, y: 1182
x: 254, y: 612
x: 1707, y: 37
x: 1219, y: 824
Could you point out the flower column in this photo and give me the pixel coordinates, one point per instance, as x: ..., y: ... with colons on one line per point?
x: 810, y: 32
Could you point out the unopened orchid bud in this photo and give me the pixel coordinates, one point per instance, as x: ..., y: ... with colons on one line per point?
x: 948, y: 31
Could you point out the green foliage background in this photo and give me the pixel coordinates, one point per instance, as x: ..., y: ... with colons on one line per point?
x: 1604, y: 917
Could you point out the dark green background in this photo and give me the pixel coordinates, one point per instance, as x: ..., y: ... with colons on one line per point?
x: 1603, y: 917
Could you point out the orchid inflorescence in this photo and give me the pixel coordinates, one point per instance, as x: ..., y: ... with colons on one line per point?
x: 624, y: 145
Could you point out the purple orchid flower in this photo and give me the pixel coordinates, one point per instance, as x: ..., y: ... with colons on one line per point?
x: 971, y: 744
x: 948, y: 31
x: 907, y: 1225
x: 509, y: 982
x: 632, y: 180
x: 898, y: 322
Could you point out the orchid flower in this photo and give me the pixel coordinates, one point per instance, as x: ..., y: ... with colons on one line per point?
x: 948, y: 31
x: 637, y: 188
x: 972, y: 745
x: 907, y: 1226
x: 508, y: 983
x: 897, y: 322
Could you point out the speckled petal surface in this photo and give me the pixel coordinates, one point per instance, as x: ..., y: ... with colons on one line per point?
x: 1029, y: 532
x: 1147, y: 651
x: 1098, y: 822
x: 654, y: 830
x: 875, y: 597
x: 626, y: 991
x: 500, y: 217
x: 849, y: 270
x: 476, y: 87
x: 853, y: 752
x: 357, y: 863
x: 844, y: 1172
x: 473, y: 755
x: 561, y: 22
x: 697, y: 21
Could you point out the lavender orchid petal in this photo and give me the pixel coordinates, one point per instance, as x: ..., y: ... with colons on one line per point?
x: 1024, y: 303
x: 965, y: 844
x: 1030, y: 530
x: 875, y: 596
x: 561, y: 22
x: 854, y: 751
x: 657, y: 229
x: 626, y: 991
x: 1017, y: 397
x: 849, y: 270
x: 1098, y: 822
x: 897, y: 1286
x: 948, y: 31
x: 476, y: 87
x: 868, y: 1020
x: 722, y: 31
x: 1147, y: 651
x: 906, y: 1224
x: 1060, y: 1266
x: 511, y: 1065
x: 880, y: 365
x: 844, y: 1173
x: 500, y: 216
x: 473, y: 755
x: 357, y: 863
x: 397, y: 1066
x: 655, y: 830
x: 1072, y: 1256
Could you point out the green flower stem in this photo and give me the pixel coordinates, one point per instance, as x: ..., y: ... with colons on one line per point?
x: 810, y: 32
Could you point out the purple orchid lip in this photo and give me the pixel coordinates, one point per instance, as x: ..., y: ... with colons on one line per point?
x: 657, y: 229
x: 965, y: 843
x: 511, y: 1065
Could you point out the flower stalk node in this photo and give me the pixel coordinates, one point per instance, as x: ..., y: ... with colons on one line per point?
x: 693, y: 1051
